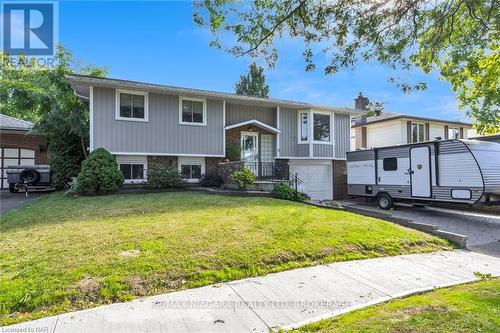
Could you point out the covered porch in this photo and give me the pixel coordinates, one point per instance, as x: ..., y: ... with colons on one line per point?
x: 252, y: 143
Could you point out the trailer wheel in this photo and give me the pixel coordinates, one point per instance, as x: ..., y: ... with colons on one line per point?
x: 29, y: 176
x: 13, y: 188
x: 385, y: 201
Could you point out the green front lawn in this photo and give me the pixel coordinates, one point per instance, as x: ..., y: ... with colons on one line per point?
x: 471, y: 307
x: 59, y: 254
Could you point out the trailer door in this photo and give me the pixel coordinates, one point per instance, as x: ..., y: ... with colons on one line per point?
x: 420, y: 169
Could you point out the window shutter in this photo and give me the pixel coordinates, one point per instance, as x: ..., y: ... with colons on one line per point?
x: 445, y: 132
x: 408, y: 132
x: 461, y: 132
x: 427, y: 131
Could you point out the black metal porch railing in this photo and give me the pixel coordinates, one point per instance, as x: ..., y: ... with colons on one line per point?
x: 269, y: 171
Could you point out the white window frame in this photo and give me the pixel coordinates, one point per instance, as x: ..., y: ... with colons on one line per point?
x: 451, y: 129
x: 204, y: 108
x: 330, y: 142
x: 299, y: 126
x: 191, y: 161
x: 418, y: 131
x: 132, y: 92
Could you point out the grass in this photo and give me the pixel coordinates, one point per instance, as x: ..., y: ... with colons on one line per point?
x: 59, y: 254
x: 473, y: 307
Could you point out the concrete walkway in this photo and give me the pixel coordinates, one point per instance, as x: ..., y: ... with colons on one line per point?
x: 281, y: 300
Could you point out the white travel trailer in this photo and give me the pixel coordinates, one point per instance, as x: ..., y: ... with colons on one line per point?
x: 462, y: 171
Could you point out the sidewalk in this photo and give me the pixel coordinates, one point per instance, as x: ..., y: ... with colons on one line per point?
x: 281, y: 300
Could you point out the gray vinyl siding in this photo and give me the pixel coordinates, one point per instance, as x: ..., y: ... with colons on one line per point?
x: 320, y: 150
x: 341, y: 131
x: 288, y: 136
x: 237, y: 113
x: 162, y: 134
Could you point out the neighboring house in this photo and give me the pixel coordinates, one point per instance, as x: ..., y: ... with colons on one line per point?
x: 145, y: 125
x: 18, y: 146
x: 388, y: 129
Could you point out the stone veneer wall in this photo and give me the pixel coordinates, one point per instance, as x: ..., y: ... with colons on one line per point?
x: 225, y: 170
x: 162, y: 161
x: 339, y: 179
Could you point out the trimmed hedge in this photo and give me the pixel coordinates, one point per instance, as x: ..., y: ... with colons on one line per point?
x: 99, y: 174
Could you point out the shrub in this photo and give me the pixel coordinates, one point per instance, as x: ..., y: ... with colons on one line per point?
x: 233, y: 152
x: 164, y: 177
x: 211, y: 179
x: 244, y: 177
x: 72, y: 187
x: 285, y: 191
x: 99, y: 174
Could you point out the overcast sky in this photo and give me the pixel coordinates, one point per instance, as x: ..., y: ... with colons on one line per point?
x: 158, y: 42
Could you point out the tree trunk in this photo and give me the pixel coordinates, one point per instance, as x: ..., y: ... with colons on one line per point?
x: 83, y: 146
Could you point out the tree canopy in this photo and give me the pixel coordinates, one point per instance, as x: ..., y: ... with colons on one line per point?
x: 459, y: 39
x: 253, y: 83
x: 43, y: 95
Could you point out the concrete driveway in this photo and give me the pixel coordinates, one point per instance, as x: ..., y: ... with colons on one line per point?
x: 10, y: 201
x: 482, y: 230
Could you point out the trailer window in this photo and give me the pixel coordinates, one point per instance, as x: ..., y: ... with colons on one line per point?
x: 390, y: 164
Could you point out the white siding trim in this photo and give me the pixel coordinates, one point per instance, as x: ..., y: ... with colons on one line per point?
x: 132, y: 92
x: 204, y: 107
x: 224, y: 127
x: 91, y: 118
x: 164, y: 154
x: 310, y: 158
x: 278, y: 134
x: 255, y: 122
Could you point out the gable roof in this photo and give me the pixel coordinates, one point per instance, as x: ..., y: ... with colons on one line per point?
x: 81, y: 85
x: 387, y: 116
x: 11, y: 123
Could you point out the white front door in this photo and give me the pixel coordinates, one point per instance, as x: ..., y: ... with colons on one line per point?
x: 249, y: 150
x: 420, y: 171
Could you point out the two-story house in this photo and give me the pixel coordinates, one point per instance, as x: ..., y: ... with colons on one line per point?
x: 389, y: 129
x: 146, y: 124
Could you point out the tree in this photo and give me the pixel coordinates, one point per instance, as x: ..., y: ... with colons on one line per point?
x: 44, y: 96
x: 253, y: 83
x: 457, y: 38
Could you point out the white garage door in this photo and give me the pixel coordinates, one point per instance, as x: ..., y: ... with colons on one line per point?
x: 12, y: 157
x: 316, y: 176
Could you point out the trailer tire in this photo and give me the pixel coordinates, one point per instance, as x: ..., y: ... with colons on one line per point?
x: 384, y: 201
x: 29, y: 176
x: 13, y: 188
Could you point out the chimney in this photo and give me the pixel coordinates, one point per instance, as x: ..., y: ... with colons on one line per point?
x: 361, y: 102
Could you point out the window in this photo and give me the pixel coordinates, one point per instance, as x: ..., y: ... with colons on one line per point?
x: 417, y: 132
x: 132, y: 171
x: 131, y: 105
x: 453, y: 133
x: 192, y: 111
x: 191, y: 171
x: 303, y: 126
x: 390, y: 164
x: 191, y: 168
x: 321, y: 127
